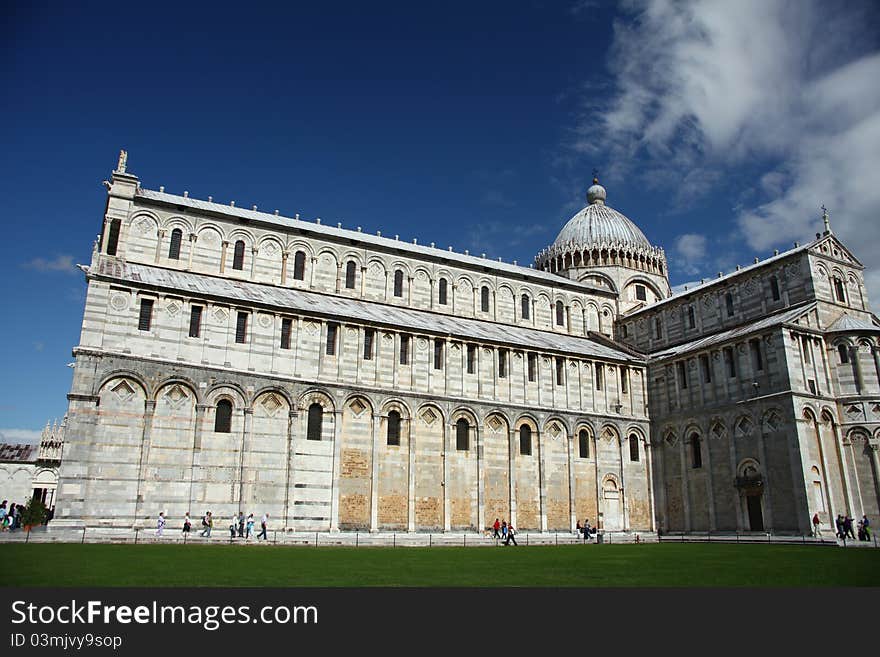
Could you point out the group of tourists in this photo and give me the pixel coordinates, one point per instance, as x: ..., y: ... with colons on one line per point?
x: 843, y: 525
x: 10, y: 516
x: 586, y: 531
x: 240, y: 526
x: 504, y: 531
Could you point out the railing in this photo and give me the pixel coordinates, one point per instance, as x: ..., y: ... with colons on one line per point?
x: 762, y: 537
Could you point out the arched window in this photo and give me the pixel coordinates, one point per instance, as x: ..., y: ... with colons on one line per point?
x: 526, y: 306
x: 174, y: 249
x: 560, y: 314
x: 223, y: 416
x: 843, y: 353
x: 525, y: 440
x: 696, y: 451
x: 316, y: 418
x: 484, y: 299
x: 839, y: 292
x: 398, y: 283
x: 461, y: 434
x: 584, y: 444
x: 441, y: 291
x: 113, y: 236
x: 350, y: 272
x: 238, y: 257
x: 774, y: 288
x: 393, y: 428
x: 633, y: 447
x: 299, y: 266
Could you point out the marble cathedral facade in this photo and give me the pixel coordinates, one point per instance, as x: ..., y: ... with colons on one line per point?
x: 232, y: 359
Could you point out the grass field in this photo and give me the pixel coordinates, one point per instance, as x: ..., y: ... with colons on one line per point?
x: 663, y: 565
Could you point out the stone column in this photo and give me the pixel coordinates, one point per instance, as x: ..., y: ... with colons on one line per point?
x: 363, y: 281
x: 481, y: 493
x: 192, y: 248
x: 410, y: 476
x: 568, y: 319
x: 289, y: 465
x: 254, y: 252
x: 731, y: 443
x: 857, y: 367
x: 447, y: 524
x: 284, y: 256
x: 160, y: 235
x: 710, y: 490
x: 195, y: 460
x: 337, y: 448
x: 149, y: 410
x: 542, y: 483
x: 374, y: 475
x: 338, y: 277
x: 844, y: 469
x: 685, y: 492
x: 511, y: 474
x: 623, y: 495
x: 312, y: 273
x: 572, y: 512
x: 223, y: 245
x: 875, y: 351
x: 649, y: 472
x: 245, y: 441
x: 876, y: 460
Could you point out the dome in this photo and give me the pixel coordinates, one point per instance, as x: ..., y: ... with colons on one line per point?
x: 597, y: 224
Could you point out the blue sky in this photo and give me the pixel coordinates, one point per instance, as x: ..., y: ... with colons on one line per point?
x: 719, y: 128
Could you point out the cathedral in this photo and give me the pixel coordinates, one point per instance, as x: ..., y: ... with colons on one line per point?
x: 233, y: 359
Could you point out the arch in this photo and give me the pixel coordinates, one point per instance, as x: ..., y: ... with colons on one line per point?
x: 443, y: 291
x: 315, y: 421
x: 238, y: 255
x: 429, y: 412
x: 146, y: 391
x: 175, y: 244
x: 526, y: 418
x: 178, y: 221
x: 299, y: 265
x: 462, y: 433
x: 145, y: 214
x: 186, y: 382
x: 748, y: 468
x: 223, y: 409
x: 225, y: 388
x: 463, y: 411
x: 584, y: 434
x: 610, y: 432
x: 300, y: 245
x: 556, y: 420
x: 270, y: 239
x: 398, y: 282
x: 643, y: 280
x: 316, y: 395
x: 603, y: 279
x: 274, y: 389
x: 696, y: 443
x: 485, y: 299
x: 633, y: 440
x: 396, y: 404
x: 392, y: 427
x: 358, y: 397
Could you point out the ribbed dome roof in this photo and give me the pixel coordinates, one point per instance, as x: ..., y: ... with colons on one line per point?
x: 597, y: 223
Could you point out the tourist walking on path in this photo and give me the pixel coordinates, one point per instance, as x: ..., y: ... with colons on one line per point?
x: 838, y: 524
x: 816, y: 531
x: 866, y: 525
x: 241, y: 524
x: 232, y: 526
x: 249, y: 528
x: 586, y: 531
x: 187, y: 523
x: 3, y: 516
x: 160, y: 523
x: 504, y: 530
x: 263, y: 523
x: 510, y: 535
x: 848, y: 527
x: 495, y: 528
x: 207, y: 524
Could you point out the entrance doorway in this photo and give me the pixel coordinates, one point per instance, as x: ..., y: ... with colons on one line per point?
x: 756, y: 517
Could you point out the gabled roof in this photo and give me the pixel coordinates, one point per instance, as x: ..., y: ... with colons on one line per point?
x: 850, y: 324
x: 473, y: 262
x: 343, y: 308
x: 781, y: 318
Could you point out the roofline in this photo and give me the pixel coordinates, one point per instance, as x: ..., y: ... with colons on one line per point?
x: 149, y: 196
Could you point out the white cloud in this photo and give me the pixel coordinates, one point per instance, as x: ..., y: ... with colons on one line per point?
x: 62, y: 263
x: 20, y: 436
x: 691, y: 248
x: 786, y: 89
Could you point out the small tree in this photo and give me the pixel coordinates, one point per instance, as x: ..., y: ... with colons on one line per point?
x: 34, y: 513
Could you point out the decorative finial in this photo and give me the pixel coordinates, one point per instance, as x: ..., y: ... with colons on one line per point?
x: 595, y: 176
x: 123, y: 159
x: 825, y: 220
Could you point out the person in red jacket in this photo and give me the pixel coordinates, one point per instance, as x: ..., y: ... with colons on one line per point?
x: 495, y: 528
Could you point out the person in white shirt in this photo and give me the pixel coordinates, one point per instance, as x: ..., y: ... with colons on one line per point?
x: 160, y: 523
x: 263, y: 524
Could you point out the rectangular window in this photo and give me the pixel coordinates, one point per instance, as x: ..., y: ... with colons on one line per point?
x: 731, y: 362
x: 757, y: 360
x: 600, y: 375
x: 623, y: 331
x: 728, y: 301
x: 195, y: 321
x: 241, y: 327
x: 624, y: 380
x: 332, y: 332
x: 560, y: 371
x: 286, y: 326
x: 707, y: 370
x: 774, y: 288
x: 368, y: 343
x: 502, y: 363
x: 641, y: 293
x: 146, y: 315
x: 438, y: 354
x: 471, y: 358
x: 533, y: 367
x: 692, y: 320
x: 808, y: 351
x: 682, y: 374
x: 404, y: 349
x: 658, y: 328
x: 812, y: 385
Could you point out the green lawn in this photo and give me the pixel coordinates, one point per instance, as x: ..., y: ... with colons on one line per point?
x: 551, y: 566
